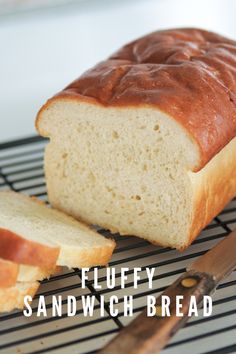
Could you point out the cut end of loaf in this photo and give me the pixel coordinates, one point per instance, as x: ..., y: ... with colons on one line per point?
x: 124, y: 169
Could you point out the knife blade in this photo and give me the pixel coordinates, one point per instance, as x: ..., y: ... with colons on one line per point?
x: 148, y: 335
x: 220, y: 260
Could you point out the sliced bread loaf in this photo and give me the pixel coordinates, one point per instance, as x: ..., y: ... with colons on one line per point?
x: 13, y: 297
x: 34, y: 234
x: 144, y: 143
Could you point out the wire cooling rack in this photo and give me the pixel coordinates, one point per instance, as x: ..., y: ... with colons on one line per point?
x: 21, y: 169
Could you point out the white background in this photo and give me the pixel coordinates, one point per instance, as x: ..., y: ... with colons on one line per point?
x: 42, y: 51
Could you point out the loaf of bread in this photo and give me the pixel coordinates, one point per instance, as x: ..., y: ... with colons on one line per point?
x: 144, y: 143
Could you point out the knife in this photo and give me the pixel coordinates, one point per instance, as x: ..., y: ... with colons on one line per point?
x: 148, y: 335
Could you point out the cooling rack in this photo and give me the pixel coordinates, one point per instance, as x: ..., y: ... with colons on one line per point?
x: 21, y: 169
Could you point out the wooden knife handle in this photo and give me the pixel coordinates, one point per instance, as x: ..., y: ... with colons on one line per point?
x: 148, y: 335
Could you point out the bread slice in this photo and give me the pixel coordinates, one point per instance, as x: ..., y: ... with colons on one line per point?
x: 28, y: 228
x: 13, y: 297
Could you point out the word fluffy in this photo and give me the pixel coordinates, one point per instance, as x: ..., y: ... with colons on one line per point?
x: 114, y: 277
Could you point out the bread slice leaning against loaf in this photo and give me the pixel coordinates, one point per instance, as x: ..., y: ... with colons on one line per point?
x: 144, y: 143
x: 13, y: 297
x: 36, y: 235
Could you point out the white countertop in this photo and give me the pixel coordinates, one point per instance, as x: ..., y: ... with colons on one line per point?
x: 42, y: 51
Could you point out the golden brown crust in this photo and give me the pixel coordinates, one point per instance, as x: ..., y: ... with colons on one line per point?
x: 187, y: 73
x: 217, y: 186
x: 15, y: 248
x: 8, y: 273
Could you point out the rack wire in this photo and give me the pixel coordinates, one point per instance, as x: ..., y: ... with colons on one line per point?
x: 21, y: 169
